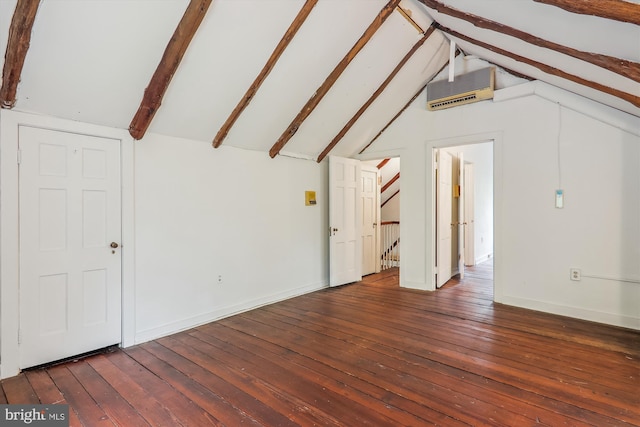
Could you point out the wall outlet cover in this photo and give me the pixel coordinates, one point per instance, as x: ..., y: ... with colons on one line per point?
x: 575, y: 274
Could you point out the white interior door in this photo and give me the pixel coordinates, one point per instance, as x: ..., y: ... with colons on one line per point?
x: 469, y: 194
x: 443, y: 216
x: 70, y: 271
x: 345, y: 216
x: 461, y: 208
x: 370, y: 195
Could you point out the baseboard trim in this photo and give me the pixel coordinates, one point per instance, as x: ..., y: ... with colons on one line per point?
x: 221, y: 313
x: 575, y: 312
x: 483, y: 258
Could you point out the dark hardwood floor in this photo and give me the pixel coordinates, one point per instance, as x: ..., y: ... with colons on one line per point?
x: 369, y: 353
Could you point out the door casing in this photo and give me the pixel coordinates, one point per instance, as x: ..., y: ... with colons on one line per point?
x: 70, y: 289
x: 432, y: 146
x: 10, y: 121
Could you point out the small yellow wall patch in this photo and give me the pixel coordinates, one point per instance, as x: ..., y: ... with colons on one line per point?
x: 309, y: 198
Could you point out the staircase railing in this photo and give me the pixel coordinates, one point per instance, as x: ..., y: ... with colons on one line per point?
x: 390, y: 245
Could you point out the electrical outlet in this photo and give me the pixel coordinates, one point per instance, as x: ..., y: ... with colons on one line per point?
x: 220, y: 278
x: 575, y: 274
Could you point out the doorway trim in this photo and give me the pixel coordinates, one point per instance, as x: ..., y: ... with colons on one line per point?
x: 10, y: 122
x: 393, y: 153
x: 430, y: 249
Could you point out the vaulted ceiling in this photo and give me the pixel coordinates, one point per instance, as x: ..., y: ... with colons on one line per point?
x: 304, y: 78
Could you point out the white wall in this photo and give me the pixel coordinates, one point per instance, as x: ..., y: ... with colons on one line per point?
x: 593, y: 154
x: 190, y: 214
x: 203, y: 213
x: 391, y: 210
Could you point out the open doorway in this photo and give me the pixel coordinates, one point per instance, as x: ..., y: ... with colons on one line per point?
x: 463, y: 189
x: 387, y: 226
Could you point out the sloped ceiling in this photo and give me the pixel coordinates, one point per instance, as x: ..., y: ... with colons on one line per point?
x: 579, y: 34
x: 92, y: 60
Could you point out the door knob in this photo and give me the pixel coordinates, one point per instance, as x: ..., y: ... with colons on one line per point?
x: 114, y: 245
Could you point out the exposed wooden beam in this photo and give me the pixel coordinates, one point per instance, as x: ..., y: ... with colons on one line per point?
x: 618, y: 10
x: 382, y: 163
x: 315, y: 99
x: 623, y: 67
x: 392, y: 196
x: 407, y: 15
x: 173, y: 53
x: 275, y: 55
x: 413, y: 98
x: 633, y: 99
x: 375, y: 94
x: 391, y: 181
x: 18, y: 42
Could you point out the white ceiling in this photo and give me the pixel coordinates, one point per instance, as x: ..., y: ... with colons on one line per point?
x: 92, y: 60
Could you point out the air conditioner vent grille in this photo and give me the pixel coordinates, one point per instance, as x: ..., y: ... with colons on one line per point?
x: 451, y: 102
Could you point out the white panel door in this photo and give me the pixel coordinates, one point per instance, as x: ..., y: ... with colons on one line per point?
x: 345, y: 241
x: 370, y: 193
x: 70, y: 217
x: 443, y: 216
x: 461, y: 208
x: 469, y: 208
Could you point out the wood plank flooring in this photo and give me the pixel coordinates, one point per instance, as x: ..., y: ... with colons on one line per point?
x: 369, y: 353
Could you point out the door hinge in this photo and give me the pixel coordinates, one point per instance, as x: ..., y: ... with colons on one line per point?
x: 19, y: 336
x: 19, y: 157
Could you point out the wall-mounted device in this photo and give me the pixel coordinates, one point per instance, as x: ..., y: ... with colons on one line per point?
x: 464, y: 89
x: 559, y: 199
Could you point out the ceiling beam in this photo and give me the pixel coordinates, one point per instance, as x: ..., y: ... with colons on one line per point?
x: 623, y: 67
x: 618, y: 10
x: 633, y: 99
x: 382, y: 163
x: 315, y: 99
x: 173, y: 53
x: 18, y: 42
x: 391, y: 181
x: 413, y: 98
x: 275, y: 55
x: 375, y: 94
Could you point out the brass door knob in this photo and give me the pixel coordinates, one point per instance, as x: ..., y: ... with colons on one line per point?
x: 114, y: 245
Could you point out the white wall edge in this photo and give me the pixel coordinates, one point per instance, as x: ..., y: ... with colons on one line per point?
x: 592, y: 109
x: 221, y: 313
x: 296, y: 155
x: 10, y: 121
x: 574, y: 312
x: 127, y: 170
x: 514, y: 92
x: 420, y: 286
x: 375, y: 155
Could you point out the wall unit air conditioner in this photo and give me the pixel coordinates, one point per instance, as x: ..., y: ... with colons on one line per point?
x: 465, y: 89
